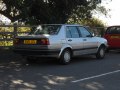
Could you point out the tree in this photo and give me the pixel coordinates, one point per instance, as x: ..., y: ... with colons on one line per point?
x: 97, y: 26
x: 92, y: 22
x: 46, y: 11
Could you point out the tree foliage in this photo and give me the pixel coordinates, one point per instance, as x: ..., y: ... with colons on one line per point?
x: 47, y: 11
x: 93, y: 22
x: 97, y: 26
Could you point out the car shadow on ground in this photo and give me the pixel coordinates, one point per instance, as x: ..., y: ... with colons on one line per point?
x: 7, y: 57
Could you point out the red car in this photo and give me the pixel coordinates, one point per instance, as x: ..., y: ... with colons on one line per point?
x: 112, y: 35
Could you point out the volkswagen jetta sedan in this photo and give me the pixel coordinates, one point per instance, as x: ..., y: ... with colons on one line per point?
x: 61, y: 41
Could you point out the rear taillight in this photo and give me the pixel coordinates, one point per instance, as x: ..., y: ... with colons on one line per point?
x: 44, y: 41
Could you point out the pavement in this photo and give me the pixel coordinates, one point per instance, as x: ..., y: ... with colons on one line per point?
x: 83, y: 73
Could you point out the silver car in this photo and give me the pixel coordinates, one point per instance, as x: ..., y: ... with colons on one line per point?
x: 62, y: 41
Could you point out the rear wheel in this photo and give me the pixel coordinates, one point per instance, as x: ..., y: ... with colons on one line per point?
x: 65, y: 57
x: 101, y: 53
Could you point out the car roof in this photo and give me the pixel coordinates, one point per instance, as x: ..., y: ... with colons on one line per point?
x: 63, y: 24
x: 114, y: 26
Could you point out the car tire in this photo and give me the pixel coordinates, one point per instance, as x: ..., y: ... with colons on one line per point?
x: 101, y: 53
x: 65, y: 57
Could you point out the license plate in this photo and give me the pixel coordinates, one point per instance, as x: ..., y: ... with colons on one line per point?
x: 30, y: 41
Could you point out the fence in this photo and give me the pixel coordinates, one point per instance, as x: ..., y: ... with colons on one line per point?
x: 9, y: 32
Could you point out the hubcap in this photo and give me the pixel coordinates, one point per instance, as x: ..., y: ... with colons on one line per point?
x: 102, y: 52
x: 67, y: 56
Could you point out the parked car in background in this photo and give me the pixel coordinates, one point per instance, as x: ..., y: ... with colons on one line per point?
x: 62, y: 41
x: 112, y: 35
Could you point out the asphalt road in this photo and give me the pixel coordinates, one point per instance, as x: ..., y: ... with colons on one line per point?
x: 83, y: 73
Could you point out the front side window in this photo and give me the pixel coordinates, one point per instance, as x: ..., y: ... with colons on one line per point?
x: 72, y: 32
x: 45, y: 29
x: 84, y: 32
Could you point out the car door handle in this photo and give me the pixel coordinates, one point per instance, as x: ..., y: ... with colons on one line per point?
x: 84, y: 39
x: 70, y: 40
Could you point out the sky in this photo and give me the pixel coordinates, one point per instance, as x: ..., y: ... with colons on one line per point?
x: 113, y: 17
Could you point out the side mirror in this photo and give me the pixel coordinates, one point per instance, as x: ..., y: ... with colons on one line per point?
x: 93, y: 34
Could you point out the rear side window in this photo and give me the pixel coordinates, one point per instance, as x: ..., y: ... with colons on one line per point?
x: 113, y: 30
x: 72, y: 32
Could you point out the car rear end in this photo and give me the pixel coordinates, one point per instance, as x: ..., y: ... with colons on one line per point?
x: 37, y: 44
x: 112, y: 35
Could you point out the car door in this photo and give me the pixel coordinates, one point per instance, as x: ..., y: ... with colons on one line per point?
x: 90, y: 44
x: 73, y: 39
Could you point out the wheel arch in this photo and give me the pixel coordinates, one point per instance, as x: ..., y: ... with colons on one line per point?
x: 102, y: 45
x: 101, y: 51
x: 64, y: 48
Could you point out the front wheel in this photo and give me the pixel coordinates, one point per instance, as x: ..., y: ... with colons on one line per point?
x: 65, y: 57
x: 101, y: 53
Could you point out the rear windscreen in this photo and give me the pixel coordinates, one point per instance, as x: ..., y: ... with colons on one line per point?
x: 113, y: 30
x: 45, y: 29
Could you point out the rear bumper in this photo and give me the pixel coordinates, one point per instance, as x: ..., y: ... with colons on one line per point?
x: 37, y: 53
